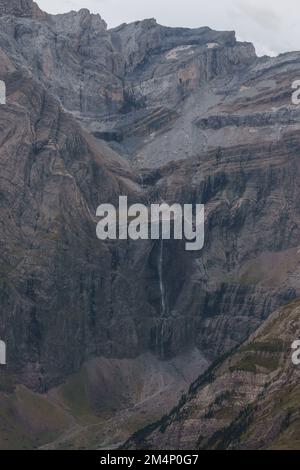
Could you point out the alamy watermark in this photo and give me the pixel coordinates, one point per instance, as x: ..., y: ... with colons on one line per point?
x: 296, y: 353
x: 2, y: 92
x: 296, y: 93
x: 158, y: 221
x: 2, y: 353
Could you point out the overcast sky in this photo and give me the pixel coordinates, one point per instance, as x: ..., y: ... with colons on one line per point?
x: 270, y: 24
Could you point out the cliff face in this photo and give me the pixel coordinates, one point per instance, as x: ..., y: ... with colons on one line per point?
x: 155, y: 113
x: 249, y: 400
x: 53, y: 174
x: 21, y: 8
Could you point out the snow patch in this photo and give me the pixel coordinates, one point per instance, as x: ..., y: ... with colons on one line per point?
x: 212, y: 45
x: 173, y: 53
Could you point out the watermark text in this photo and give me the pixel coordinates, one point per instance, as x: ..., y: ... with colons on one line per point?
x: 2, y: 353
x: 2, y: 92
x: 296, y: 353
x: 159, y: 221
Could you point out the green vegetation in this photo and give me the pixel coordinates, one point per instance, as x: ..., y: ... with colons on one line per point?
x: 251, y: 363
x: 28, y: 420
x: 75, y: 397
x: 273, y: 346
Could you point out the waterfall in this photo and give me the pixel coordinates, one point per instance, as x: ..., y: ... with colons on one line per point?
x: 141, y: 181
x: 163, y: 299
x: 161, y: 280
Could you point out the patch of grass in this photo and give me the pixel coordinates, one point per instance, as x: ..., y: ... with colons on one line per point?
x: 290, y: 400
x: 246, y: 364
x: 28, y: 420
x: 13, y: 435
x: 252, y: 361
x: 75, y: 396
x: 289, y: 439
x: 273, y: 346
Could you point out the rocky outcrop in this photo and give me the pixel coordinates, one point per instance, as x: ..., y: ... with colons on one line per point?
x: 21, y: 8
x: 284, y: 117
x: 104, y: 76
x: 248, y: 400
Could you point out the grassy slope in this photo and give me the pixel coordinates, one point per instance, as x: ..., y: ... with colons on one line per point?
x: 100, y: 406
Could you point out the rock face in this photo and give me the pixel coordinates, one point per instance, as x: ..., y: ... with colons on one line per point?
x: 53, y: 175
x: 21, y: 8
x: 158, y: 114
x: 249, y: 400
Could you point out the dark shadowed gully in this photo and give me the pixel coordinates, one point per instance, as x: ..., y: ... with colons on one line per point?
x: 104, y: 337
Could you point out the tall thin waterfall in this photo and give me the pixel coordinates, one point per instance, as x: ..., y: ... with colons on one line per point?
x: 161, y: 280
x: 142, y: 181
x: 163, y: 300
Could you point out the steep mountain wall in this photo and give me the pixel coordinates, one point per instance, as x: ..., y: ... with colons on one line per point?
x: 201, y: 120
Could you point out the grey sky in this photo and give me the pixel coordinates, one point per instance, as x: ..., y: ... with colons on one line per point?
x: 270, y: 24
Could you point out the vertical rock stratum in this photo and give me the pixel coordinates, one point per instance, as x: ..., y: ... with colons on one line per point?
x: 157, y: 114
